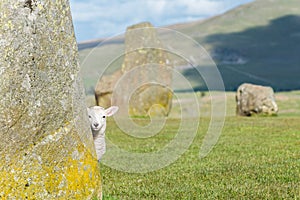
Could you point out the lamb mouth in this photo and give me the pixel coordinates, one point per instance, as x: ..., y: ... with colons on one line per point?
x: 96, y: 128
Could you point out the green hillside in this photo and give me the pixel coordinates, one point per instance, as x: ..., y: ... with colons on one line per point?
x: 258, y: 42
x: 257, y: 13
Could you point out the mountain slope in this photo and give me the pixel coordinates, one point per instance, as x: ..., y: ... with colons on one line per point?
x: 258, y: 42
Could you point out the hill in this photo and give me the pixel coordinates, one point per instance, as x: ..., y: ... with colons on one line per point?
x: 256, y: 42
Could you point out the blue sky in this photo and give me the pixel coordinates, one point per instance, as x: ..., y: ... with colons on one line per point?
x: 95, y: 19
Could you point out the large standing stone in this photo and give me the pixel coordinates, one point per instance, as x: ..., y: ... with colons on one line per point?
x: 255, y: 99
x: 46, y: 147
x: 105, y: 87
x: 146, y: 75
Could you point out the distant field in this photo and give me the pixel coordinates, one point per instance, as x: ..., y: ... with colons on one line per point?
x: 255, y: 158
x: 288, y: 103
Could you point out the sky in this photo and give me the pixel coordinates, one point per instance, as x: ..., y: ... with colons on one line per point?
x: 94, y: 19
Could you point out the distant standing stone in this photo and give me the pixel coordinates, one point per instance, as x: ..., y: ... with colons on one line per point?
x: 146, y: 75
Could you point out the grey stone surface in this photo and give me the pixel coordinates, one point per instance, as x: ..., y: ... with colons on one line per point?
x: 46, y: 147
x: 255, y: 99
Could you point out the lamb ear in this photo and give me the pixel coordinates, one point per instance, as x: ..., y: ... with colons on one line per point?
x: 111, y: 110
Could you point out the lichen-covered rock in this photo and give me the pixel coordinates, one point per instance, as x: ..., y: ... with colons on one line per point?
x: 46, y: 147
x: 146, y: 66
x: 151, y: 100
x: 255, y: 99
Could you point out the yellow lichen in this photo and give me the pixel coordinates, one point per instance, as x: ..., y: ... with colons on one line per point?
x: 70, y: 178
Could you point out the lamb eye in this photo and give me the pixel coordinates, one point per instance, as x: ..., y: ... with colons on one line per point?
x: 90, y: 116
x: 103, y: 116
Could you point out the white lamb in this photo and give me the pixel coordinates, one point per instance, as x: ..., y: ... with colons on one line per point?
x: 97, y: 117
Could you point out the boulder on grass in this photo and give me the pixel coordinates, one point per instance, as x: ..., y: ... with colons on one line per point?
x: 255, y: 99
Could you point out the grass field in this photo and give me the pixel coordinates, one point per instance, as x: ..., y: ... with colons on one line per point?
x: 255, y: 158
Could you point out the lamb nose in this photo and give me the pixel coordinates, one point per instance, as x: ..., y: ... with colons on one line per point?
x: 96, y: 124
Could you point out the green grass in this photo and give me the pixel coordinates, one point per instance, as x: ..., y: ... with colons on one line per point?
x: 289, y: 103
x: 255, y: 158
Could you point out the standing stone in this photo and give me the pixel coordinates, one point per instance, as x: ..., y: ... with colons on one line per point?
x: 105, y: 87
x: 145, y: 55
x: 146, y: 75
x: 46, y: 146
x: 255, y: 99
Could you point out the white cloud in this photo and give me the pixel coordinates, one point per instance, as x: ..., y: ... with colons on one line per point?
x: 205, y: 7
x: 157, y: 7
x: 102, y: 18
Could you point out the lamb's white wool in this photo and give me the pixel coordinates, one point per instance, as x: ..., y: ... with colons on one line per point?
x: 97, y: 117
